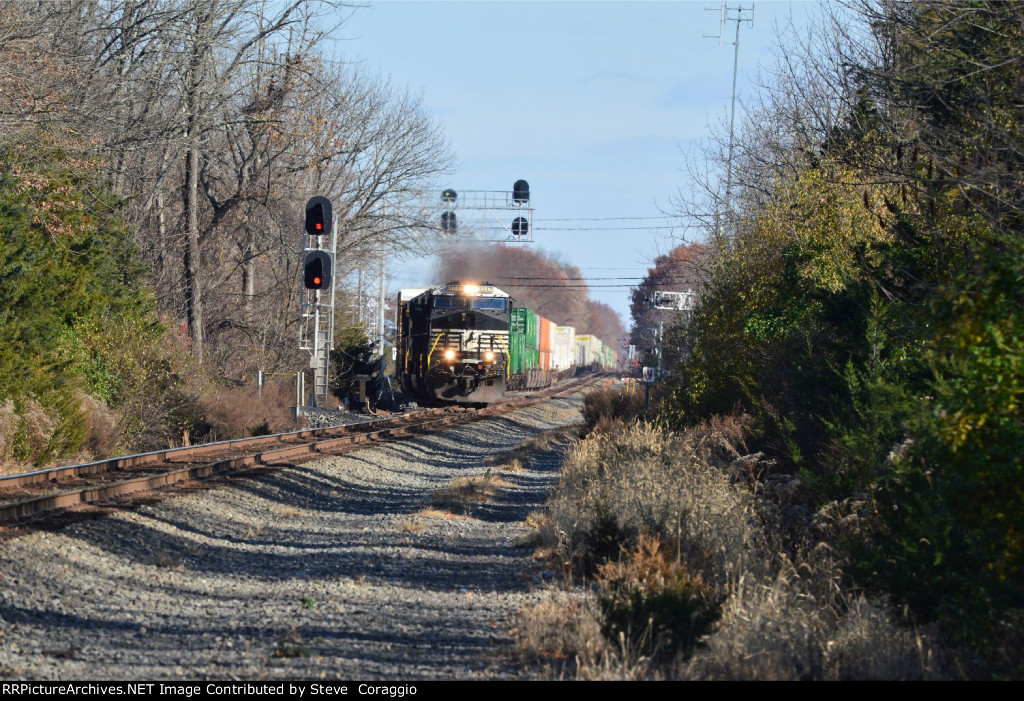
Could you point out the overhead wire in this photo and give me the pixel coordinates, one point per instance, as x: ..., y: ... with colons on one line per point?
x: 631, y: 277
x: 606, y: 218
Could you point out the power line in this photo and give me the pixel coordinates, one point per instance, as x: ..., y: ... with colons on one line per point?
x: 568, y: 287
x: 616, y: 228
x: 607, y: 218
x: 617, y: 267
x: 630, y: 277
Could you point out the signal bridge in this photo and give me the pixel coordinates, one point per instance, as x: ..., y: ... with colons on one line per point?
x: 495, y: 216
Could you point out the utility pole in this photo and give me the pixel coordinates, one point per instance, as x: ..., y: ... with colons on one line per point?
x: 738, y: 14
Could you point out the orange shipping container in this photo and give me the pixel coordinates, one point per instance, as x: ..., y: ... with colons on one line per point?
x: 544, y: 342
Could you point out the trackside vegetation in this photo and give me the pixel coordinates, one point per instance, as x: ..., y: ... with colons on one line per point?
x: 78, y: 335
x: 833, y: 484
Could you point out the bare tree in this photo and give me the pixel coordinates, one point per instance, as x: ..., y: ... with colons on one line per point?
x: 215, y: 121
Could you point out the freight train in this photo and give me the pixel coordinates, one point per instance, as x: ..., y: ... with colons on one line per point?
x: 466, y: 343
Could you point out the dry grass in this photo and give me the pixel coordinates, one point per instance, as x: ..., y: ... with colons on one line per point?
x: 410, y: 525
x: 679, y: 530
x: 518, y: 458
x: 256, y: 531
x: 239, y: 412
x: 776, y: 630
x: 167, y: 558
x: 561, y: 638
x: 560, y: 630
x: 462, y: 492
x: 513, y: 465
x: 23, y: 435
x: 8, y: 429
x: 285, y: 511
x: 431, y: 512
x: 290, y: 646
x: 651, y: 602
x: 613, y: 489
x: 103, y: 426
x: 611, y: 410
x: 541, y: 538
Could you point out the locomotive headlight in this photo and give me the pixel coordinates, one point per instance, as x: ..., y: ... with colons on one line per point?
x: 472, y: 290
x: 489, y: 356
x: 449, y: 355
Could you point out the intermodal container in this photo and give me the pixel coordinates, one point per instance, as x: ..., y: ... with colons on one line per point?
x: 523, y: 349
x: 564, y: 347
x: 544, y: 335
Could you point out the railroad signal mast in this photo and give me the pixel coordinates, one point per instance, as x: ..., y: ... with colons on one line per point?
x: 668, y: 301
x: 673, y: 302
x: 496, y: 216
x: 316, y: 297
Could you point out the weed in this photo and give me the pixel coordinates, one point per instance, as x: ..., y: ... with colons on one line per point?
x: 646, y: 481
x: 410, y: 525
x: 559, y: 631
x: 289, y: 651
x: 431, y: 512
x: 285, y: 511
x: 290, y: 646
x: 256, y: 531
x: 652, y: 604
x: 611, y: 410
x: 473, y: 489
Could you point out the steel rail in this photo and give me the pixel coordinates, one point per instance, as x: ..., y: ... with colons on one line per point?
x: 325, y: 441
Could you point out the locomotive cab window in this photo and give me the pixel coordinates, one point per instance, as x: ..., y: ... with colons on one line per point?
x: 447, y: 303
x: 496, y: 304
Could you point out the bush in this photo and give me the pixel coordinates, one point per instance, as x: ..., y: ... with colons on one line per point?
x: 952, y: 548
x: 71, y: 300
x: 651, y: 602
x: 681, y: 534
x: 651, y: 482
x: 609, y: 410
x: 791, y: 627
x: 238, y: 412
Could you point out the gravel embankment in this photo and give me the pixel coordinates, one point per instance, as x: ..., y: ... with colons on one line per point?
x: 323, y: 570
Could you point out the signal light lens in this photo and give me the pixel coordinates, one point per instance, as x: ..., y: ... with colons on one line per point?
x: 318, y: 216
x: 316, y: 274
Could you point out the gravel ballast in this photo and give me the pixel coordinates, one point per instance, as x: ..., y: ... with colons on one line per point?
x: 323, y: 570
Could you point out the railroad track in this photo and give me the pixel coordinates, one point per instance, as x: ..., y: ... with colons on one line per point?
x: 33, y: 495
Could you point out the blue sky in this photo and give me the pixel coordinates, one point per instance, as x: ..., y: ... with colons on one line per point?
x: 593, y: 103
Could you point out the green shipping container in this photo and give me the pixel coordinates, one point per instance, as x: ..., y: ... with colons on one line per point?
x: 522, y: 340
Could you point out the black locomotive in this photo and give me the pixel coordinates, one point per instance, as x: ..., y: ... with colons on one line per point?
x: 453, y: 343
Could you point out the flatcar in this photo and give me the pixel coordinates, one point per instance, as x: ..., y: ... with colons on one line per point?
x: 453, y: 343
